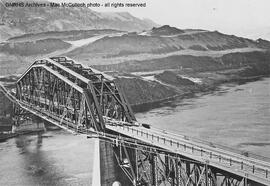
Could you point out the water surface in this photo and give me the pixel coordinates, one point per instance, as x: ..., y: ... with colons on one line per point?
x: 236, y: 115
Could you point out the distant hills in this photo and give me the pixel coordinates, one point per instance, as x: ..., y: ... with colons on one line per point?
x: 163, y: 41
x: 22, y: 20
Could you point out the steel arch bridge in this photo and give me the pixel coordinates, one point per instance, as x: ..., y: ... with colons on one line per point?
x: 85, y: 101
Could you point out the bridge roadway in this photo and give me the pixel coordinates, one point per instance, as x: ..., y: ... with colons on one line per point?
x: 234, y: 163
x: 247, y: 167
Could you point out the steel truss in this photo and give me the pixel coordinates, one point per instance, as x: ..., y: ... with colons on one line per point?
x: 147, y: 165
x: 77, y: 97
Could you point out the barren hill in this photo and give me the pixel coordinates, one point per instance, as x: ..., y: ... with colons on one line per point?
x: 22, y: 20
x: 162, y: 41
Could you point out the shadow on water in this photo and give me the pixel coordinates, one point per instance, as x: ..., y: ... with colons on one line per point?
x: 35, y: 162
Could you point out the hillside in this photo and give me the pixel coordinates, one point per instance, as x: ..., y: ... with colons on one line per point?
x: 22, y: 20
x: 188, y: 63
x: 29, y: 48
x: 71, y: 35
x: 164, y: 40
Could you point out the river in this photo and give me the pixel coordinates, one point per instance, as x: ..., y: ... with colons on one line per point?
x: 235, y: 115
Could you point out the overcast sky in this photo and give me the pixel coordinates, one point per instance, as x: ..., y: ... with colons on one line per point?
x: 241, y: 17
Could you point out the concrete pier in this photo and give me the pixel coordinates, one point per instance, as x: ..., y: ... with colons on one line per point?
x: 106, y: 170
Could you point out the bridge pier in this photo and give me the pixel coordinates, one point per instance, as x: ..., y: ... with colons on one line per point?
x: 107, y: 164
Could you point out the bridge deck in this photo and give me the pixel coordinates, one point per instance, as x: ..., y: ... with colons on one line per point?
x: 237, y: 164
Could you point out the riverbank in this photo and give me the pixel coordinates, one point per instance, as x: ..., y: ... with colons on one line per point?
x: 206, y: 89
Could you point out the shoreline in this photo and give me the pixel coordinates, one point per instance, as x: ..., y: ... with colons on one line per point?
x: 205, y: 89
x: 13, y: 135
x: 4, y: 137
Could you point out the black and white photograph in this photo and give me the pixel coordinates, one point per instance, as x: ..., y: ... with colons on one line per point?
x: 134, y: 93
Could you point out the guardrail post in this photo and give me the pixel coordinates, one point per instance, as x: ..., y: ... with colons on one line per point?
x: 164, y: 140
x: 266, y: 173
x: 242, y: 165
x: 171, y: 142
x: 201, y: 152
x: 230, y: 162
x: 192, y: 149
x: 185, y: 147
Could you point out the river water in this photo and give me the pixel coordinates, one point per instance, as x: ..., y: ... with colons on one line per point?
x: 235, y: 115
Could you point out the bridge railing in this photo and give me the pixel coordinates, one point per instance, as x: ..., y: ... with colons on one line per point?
x: 210, y: 155
x: 215, y: 145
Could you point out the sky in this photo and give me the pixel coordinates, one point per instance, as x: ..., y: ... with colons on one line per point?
x: 249, y: 18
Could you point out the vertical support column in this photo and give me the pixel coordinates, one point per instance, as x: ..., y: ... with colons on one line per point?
x: 206, y: 175
x: 106, y: 168
x: 196, y: 173
x: 104, y: 173
x: 188, y: 168
x: 153, y: 162
x: 167, y: 170
x: 136, y: 165
x: 177, y: 173
x: 96, y: 180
